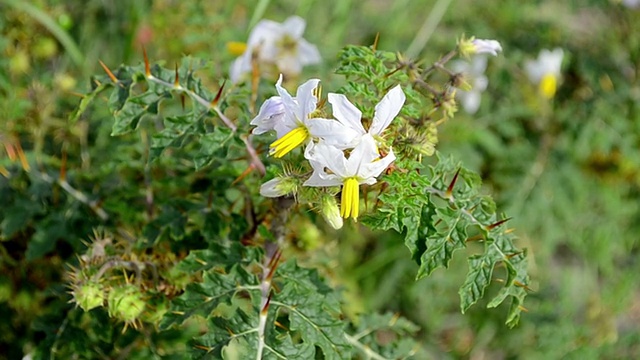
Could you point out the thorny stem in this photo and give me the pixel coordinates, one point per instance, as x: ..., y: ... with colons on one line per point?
x: 439, y: 64
x: 270, y: 262
x: 77, y: 194
x: 255, y: 160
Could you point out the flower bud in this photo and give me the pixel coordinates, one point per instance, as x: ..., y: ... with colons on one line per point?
x: 89, y: 295
x: 330, y: 211
x: 126, y: 303
x: 279, y: 186
x: 473, y: 46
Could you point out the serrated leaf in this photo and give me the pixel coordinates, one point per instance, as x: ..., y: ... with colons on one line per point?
x: 210, y: 143
x: 313, y: 310
x: 128, y: 117
x: 441, y: 245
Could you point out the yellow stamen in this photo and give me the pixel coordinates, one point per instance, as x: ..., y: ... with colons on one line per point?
x: 236, y: 48
x: 350, y: 201
x: 288, y: 142
x: 548, y: 86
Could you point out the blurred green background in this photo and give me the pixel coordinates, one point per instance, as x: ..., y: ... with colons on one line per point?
x: 567, y: 170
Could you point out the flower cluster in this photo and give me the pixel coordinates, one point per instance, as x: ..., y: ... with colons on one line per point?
x: 474, y: 80
x: 277, y: 45
x: 340, y: 150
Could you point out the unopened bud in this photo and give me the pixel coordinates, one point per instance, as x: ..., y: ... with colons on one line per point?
x: 279, y: 186
x: 331, y: 212
x: 473, y: 46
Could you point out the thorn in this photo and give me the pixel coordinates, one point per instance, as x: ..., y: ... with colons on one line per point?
x: 106, y: 69
x: 176, y: 82
x: 374, y: 47
x: 4, y: 172
x: 22, y: 157
x: 519, y: 284
x: 273, y: 264
x: 244, y: 174
x: 495, y: 225
x: 509, y: 231
x: 63, y: 166
x: 147, y: 68
x: 182, y: 100
x: 10, y: 151
x: 278, y: 324
x: 265, y: 308
x: 522, y: 308
x: 453, y: 182
x: 202, y: 347
x: 215, y: 100
x: 514, y: 254
x: 475, y: 238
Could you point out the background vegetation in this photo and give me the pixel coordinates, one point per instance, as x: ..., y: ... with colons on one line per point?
x: 566, y: 170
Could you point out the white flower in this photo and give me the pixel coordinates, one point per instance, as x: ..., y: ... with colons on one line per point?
x: 350, y: 116
x: 271, y: 112
x: 473, y: 73
x: 545, y: 71
x: 492, y: 47
x: 279, y: 45
x: 297, y: 124
x: 631, y: 3
x: 362, y: 167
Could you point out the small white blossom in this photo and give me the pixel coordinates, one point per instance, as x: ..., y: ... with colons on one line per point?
x: 546, y: 71
x: 279, y: 45
x: 350, y: 116
x: 362, y: 167
x: 473, y: 73
x: 631, y: 3
x: 492, y: 47
x: 297, y: 124
x: 273, y: 188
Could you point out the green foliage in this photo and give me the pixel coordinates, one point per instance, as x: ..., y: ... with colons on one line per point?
x: 435, y: 211
x: 131, y: 225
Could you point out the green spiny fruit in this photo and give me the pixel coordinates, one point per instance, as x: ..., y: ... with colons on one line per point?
x: 126, y: 303
x: 89, y: 295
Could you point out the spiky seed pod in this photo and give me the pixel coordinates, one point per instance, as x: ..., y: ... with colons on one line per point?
x: 89, y: 295
x: 126, y: 303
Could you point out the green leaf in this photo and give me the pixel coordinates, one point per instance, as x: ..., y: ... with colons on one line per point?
x: 441, y: 245
x: 128, y: 117
x: 313, y: 310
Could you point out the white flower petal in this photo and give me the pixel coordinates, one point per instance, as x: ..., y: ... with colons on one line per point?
x: 271, y: 112
x: 289, y: 64
x: 364, y: 153
x: 325, y: 156
x: 308, y: 54
x: 346, y: 113
x: 294, y: 26
x: 306, y: 99
x: 487, y: 46
x: 470, y: 100
x: 332, y: 132
x: 290, y: 106
x: 370, y: 171
x: 387, y: 109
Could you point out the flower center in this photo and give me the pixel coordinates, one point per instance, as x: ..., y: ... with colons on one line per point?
x: 350, y: 198
x: 548, y: 85
x: 289, y: 141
